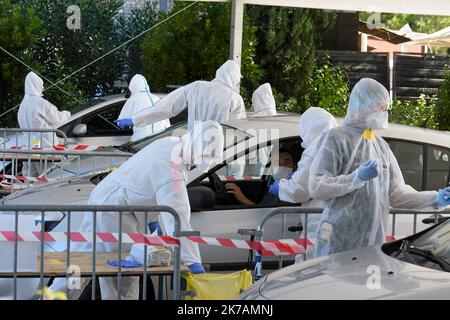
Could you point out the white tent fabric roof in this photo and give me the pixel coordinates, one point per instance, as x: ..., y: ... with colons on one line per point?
x: 440, y: 38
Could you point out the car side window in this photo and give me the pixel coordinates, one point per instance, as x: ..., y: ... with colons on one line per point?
x: 410, y: 159
x: 251, y: 166
x: 438, y: 166
x: 101, y: 123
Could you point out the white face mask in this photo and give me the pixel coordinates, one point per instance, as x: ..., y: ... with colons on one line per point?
x: 378, y: 120
x: 282, y: 173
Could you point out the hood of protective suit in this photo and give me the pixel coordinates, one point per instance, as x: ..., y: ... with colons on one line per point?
x: 229, y: 74
x: 313, y: 122
x: 263, y: 101
x: 34, y: 85
x: 138, y: 84
x: 367, y: 97
x: 203, y: 145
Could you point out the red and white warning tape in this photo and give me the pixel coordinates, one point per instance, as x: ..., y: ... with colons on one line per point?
x: 60, y: 147
x: 265, y: 247
x: 25, y: 178
x: 101, y: 237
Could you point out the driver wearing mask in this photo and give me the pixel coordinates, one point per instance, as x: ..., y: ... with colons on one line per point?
x: 284, y: 170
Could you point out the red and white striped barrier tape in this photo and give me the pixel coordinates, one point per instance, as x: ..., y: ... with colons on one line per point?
x: 60, y: 147
x: 264, y: 247
x: 25, y: 178
x: 101, y: 237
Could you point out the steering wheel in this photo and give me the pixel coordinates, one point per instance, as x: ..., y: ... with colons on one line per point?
x: 219, y: 187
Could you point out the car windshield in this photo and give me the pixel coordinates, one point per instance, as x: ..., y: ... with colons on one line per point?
x: 232, y: 136
x: 89, y: 103
x: 437, y: 241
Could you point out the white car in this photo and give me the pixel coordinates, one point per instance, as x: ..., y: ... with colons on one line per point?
x: 90, y: 124
x: 423, y: 156
x: 417, y: 267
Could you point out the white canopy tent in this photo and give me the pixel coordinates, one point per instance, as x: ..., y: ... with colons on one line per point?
x: 422, y: 7
x: 440, y: 38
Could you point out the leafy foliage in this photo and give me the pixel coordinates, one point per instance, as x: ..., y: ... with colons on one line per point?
x: 193, y: 44
x: 419, y: 112
x: 327, y: 88
x: 19, y: 30
x: 287, y: 39
x: 63, y: 51
x: 442, y: 114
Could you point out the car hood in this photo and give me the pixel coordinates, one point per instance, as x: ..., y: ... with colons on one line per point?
x: 69, y: 191
x: 358, y: 274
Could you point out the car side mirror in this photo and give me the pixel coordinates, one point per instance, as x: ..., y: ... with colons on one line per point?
x: 201, y: 198
x: 79, y: 130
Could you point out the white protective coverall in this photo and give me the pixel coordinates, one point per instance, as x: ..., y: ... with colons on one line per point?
x: 141, y: 99
x: 37, y: 113
x: 156, y: 175
x: 357, y: 212
x: 263, y: 101
x: 217, y: 100
x: 313, y: 126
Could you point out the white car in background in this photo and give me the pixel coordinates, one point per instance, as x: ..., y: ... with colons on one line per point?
x: 423, y: 155
x: 91, y: 123
x: 417, y: 267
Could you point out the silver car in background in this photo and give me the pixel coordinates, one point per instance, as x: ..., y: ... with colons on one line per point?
x: 417, y: 267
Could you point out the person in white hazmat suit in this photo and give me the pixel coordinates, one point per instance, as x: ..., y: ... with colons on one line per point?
x: 37, y: 113
x: 263, y: 101
x: 140, y: 99
x: 217, y: 100
x: 358, y: 177
x: 314, y: 124
x: 156, y: 175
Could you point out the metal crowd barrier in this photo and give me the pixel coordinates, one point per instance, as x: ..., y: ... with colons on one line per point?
x: 95, y: 209
x: 60, y: 164
x: 18, y: 131
x: 259, y: 231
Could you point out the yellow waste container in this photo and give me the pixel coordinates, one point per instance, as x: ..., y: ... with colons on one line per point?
x: 215, y: 286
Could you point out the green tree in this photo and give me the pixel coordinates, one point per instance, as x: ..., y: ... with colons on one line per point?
x: 287, y: 42
x: 327, y: 88
x: 419, y: 112
x: 137, y: 21
x: 20, y: 28
x: 64, y: 51
x: 442, y: 115
x: 193, y: 44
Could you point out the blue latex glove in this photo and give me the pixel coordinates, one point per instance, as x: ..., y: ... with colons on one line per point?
x: 368, y: 170
x: 274, y: 188
x: 197, y: 268
x: 122, y: 123
x: 444, y: 197
x: 124, y: 263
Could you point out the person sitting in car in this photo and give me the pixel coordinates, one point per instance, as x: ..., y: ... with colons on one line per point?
x: 284, y: 170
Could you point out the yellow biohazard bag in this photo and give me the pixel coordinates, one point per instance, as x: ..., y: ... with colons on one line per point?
x: 216, y: 286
